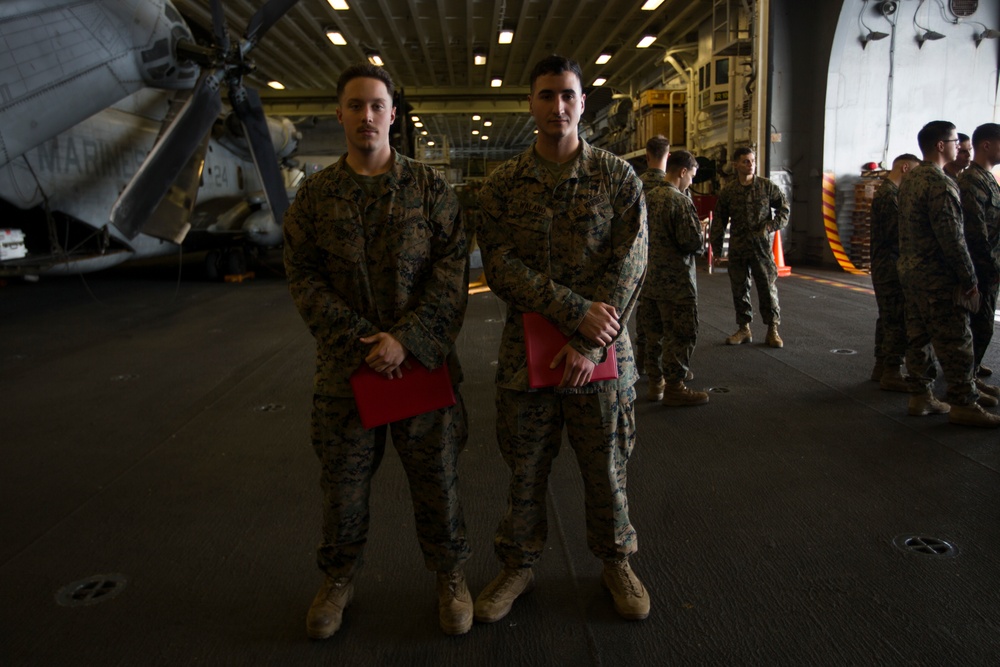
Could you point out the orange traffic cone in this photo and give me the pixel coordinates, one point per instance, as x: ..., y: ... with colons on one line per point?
x: 779, y: 257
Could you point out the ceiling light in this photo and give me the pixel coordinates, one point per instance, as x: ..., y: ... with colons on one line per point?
x: 418, y: 124
x: 650, y: 5
x: 487, y: 123
x: 646, y: 41
x: 475, y: 131
x: 873, y: 36
x: 430, y: 143
x: 603, y: 58
x: 375, y: 59
x: 423, y: 133
x: 277, y: 85
x: 505, y: 37
x: 415, y: 119
x: 600, y: 81
x: 336, y: 37
x: 484, y: 137
x: 476, y: 117
x: 496, y: 82
x: 930, y: 35
x: 989, y: 33
x: 479, y: 57
x: 339, y: 5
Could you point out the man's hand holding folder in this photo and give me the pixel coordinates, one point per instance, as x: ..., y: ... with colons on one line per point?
x: 547, y: 350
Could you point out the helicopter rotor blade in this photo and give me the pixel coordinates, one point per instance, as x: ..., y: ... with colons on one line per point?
x: 266, y: 17
x: 167, y: 159
x: 219, y: 26
x: 248, y: 108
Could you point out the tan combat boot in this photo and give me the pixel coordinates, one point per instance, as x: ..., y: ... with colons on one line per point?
x: 773, y: 339
x: 630, y: 596
x: 893, y: 380
x: 454, y: 603
x: 925, y: 404
x: 742, y: 335
x: 655, y: 391
x: 327, y: 610
x: 973, y: 415
x: 498, y: 597
x: 677, y: 394
x: 984, y: 388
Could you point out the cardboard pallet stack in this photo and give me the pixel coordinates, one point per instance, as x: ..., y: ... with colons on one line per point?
x: 654, y: 114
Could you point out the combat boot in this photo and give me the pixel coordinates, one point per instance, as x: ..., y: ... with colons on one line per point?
x: 742, y: 335
x: 629, y: 595
x: 893, y: 380
x: 498, y: 597
x: 773, y: 339
x: 327, y: 610
x: 925, y: 404
x: 655, y: 390
x: 677, y: 394
x: 973, y: 415
x: 454, y: 603
x: 987, y: 401
x: 983, y: 371
x: 984, y: 388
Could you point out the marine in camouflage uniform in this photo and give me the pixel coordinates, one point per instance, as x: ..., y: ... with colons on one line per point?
x: 670, y: 289
x: 553, y: 246
x: 890, y: 327
x: 933, y: 265
x: 652, y: 178
x: 747, y: 210
x: 980, y: 197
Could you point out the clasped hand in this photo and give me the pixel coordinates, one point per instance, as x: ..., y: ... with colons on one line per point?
x: 600, y: 324
x: 386, y: 355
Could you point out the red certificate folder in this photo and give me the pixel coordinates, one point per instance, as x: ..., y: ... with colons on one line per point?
x: 381, y: 401
x: 542, y: 341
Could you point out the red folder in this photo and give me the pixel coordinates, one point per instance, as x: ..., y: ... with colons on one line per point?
x: 542, y: 341
x: 381, y: 401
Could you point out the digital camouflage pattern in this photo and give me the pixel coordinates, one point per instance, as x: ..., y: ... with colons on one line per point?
x: 933, y: 264
x: 980, y: 195
x: 428, y: 446
x: 396, y: 263
x: 652, y: 179
x: 890, y: 327
x: 601, y: 430
x: 669, y: 301
x: 752, y: 213
x: 357, y: 264
x: 555, y: 248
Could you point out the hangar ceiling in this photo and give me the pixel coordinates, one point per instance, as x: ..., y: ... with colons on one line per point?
x: 429, y: 47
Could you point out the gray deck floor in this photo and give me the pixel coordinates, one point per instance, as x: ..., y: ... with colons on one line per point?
x: 158, y: 430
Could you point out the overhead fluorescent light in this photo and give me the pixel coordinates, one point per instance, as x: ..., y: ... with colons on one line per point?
x: 277, y: 85
x: 646, y: 41
x: 496, y: 82
x: 600, y: 81
x: 476, y: 116
x: 479, y: 57
x: 505, y: 37
x: 487, y: 123
x: 375, y: 59
x: 418, y: 124
x: 430, y: 143
x: 603, y: 59
x: 484, y: 137
x: 339, y: 5
x: 336, y: 37
x: 475, y: 131
x: 650, y: 5
x: 415, y: 119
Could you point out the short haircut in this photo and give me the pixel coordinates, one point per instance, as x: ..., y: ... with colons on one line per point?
x: 367, y: 71
x: 962, y: 137
x: 986, y: 132
x: 906, y: 157
x: 681, y: 160
x: 555, y: 65
x: 933, y: 132
x: 658, y: 146
x: 741, y: 151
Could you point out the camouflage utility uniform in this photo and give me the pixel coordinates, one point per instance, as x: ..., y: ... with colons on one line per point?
x: 890, y: 327
x: 933, y: 264
x: 981, y: 210
x: 554, y: 245
x: 651, y: 179
x: 749, y: 209
x: 360, y: 262
x: 670, y: 290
